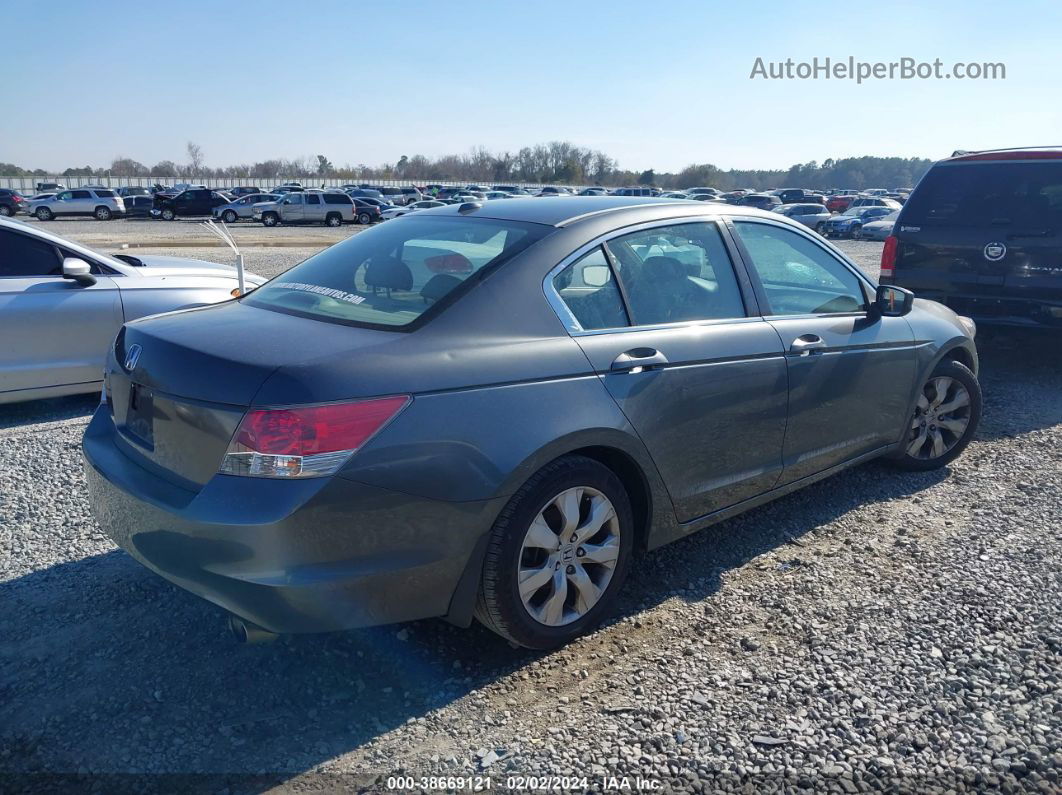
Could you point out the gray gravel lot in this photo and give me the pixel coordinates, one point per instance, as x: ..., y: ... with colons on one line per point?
x: 876, y: 630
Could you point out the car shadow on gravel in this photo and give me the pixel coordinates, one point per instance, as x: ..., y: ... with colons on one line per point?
x: 105, y: 667
x: 1021, y: 379
x: 14, y: 415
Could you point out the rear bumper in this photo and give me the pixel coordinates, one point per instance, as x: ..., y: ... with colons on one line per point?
x: 313, y: 555
x: 1004, y: 309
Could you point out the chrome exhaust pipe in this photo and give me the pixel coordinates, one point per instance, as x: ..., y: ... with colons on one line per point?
x: 246, y: 632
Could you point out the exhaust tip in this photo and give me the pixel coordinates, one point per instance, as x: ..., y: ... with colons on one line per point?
x: 246, y: 632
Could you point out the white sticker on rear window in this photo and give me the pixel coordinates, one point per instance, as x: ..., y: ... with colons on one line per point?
x: 330, y: 292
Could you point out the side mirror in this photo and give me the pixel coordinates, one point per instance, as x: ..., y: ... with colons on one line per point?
x: 78, y: 270
x: 891, y: 301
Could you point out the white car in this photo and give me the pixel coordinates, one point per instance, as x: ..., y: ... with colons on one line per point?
x: 394, y: 212
x: 62, y: 304
x: 880, y: 228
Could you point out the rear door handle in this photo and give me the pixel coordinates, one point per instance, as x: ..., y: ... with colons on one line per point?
x: 807, y: 344
x: 638, y: 359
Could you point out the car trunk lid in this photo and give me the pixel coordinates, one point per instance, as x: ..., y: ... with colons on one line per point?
x: 181, y: 382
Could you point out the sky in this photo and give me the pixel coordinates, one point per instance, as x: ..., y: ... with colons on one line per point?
x: 655, y: 85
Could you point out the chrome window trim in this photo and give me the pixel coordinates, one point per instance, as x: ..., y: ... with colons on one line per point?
x: 568, y: 319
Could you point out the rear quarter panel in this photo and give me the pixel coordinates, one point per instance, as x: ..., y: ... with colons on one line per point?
x: 483, y: 443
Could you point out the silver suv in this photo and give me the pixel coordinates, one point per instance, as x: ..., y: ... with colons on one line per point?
x: 309, y: 207
x: 101, y: 203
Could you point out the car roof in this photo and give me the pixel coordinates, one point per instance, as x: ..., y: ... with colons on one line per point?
x: 1021, y: 153
x: 563, y: 211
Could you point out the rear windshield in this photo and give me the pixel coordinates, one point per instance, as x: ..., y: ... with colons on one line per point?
x: 1028, y: 195
x: 392, y: 274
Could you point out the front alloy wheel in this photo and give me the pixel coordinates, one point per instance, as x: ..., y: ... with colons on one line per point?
x: 945, y: 418
x: 558, y: 554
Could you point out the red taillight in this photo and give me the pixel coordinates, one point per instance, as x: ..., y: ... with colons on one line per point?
x: 306, y: 441
x: 448, y: 263
x: 888, y: 257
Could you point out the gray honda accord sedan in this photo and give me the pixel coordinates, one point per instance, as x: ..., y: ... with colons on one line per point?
x: 489, y: 410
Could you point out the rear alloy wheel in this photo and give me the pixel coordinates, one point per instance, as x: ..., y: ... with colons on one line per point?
x: 820, y: 227
x: 334, y: 220
x: 102, y: 214
x: 270, y: 219
x: 363, y: 218
x: 5, y: 211
x: 44, y: 214
x: 558, y: 554
x: 168, y: 214
x: 229, y: 216
x: 945, y: 418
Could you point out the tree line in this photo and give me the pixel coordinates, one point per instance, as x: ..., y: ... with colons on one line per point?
x: 555, y: 162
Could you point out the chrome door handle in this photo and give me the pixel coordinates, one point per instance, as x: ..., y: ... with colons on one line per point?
x: 806, y: 344
x: 638, y: 359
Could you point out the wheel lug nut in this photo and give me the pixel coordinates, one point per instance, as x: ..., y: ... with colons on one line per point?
x: 571, y: 569
x: 573, y: 538
x: 580, y: 552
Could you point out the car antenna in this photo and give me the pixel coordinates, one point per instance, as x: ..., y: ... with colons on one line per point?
x: 222, y: 231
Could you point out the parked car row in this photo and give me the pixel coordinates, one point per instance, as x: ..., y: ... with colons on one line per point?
x: 293, y: 203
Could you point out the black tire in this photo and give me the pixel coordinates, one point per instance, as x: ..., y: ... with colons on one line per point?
x: 229, y: 216
x: 820, y: 227
x: 168, y: 214
x: 270, y: 219
x: 856, y: 232
x: 962, y: 374
x: 499, y: 606
x: 44, y: 214
x: 5, y: 211
x: 102, y: 214
x: 334, y: 219
x: 364, y: 218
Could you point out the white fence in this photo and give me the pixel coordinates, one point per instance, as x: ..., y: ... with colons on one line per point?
x: 29, y: 184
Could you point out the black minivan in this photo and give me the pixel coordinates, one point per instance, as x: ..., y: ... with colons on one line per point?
x: 982, y: 233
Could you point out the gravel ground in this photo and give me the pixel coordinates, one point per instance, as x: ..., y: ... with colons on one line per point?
x: 877, y: 630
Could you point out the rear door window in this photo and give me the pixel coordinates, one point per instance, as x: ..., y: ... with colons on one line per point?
x: 390, y: 276
x: 673, y: 274
x: 82, y: 194
x: 313, y: 198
